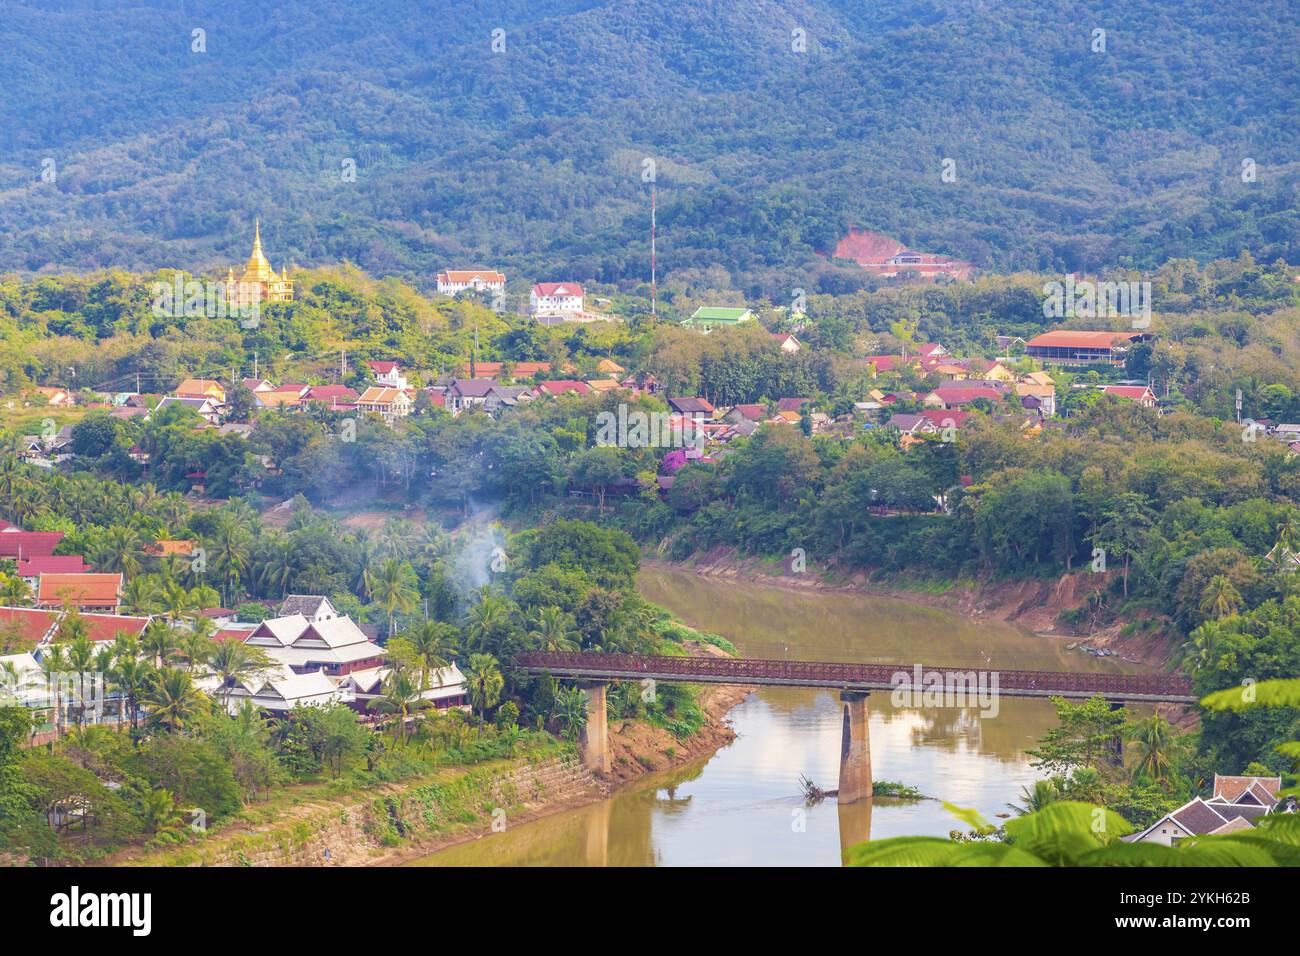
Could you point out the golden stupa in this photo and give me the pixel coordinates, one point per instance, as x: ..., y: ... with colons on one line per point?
x: 259, y: 283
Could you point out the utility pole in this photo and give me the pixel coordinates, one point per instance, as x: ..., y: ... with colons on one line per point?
x: 254, y: 366
x: 343, y: 364
x: 654, y: 297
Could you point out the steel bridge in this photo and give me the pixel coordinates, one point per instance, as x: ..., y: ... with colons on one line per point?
x: 1137, y: 688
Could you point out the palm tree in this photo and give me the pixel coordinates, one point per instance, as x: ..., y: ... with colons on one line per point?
x: 400, y: 695
x: 435, y: 644
x: 52, y: 664
x: 121, y: 549
x: 484, y: 681
x: 195, y: 646
x: 555, y: 630
x: 1031, y: 801
x: 486, y: 620
x: 131, y: 677
x: 278, y: 566
x: 233, y: 660
x: 175, y: 601
x: 159, y: 640
x: 14, y: 592
x: 1220, y: 598
x: 1154, y: 738
x: 229, y: 553
x: 172, y: 699
x: 141, y: 594
x: 80, y: 658
x: 393, y: 587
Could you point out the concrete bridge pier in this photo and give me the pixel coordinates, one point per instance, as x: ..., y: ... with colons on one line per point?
x: 593, y: 742
x: 855, y: 749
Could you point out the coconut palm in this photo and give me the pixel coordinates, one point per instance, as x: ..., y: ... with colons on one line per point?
x: 160, y: 640
x: 121, y: 550
x: 232, y: 661
x: 393, y: 586
x: 229, y: 551
x: 14, y: 591
x: 434, y: 644
x: 131, y: 677
x: 52, y: 665
x: 484, y: 682
x: 399, y: 695
x: 1154, y: 738
x: 172, y: 700
x: 1032, y: 800
x: 279, y: 565
x: 1220, y: 598
x: 554, y: 630
x: 141, y: 594
x: 487, y: 622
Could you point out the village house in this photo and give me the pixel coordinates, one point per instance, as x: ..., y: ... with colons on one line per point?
x: 741, y: 413
x: 1068, y: 347
x: 556, y: 299
x: 201, y: 388
x: 314, y: 607
x: 388, y: 374
x: 696, y: 408
x: 206, y: 408
x: 39, y: 627
x: 955, y: 396
x: 485, y: 393
x: 1036, y: 397
x: 1235, y: 802
x: 786, y: 342
x: 505, y: 371
x: 472, y: 280
x: 30, y: 569
x: 446, y: 689
x: 337, y: 397
x: 19, y: 545
x: 562, y: 387
x: 709, y: 317
x: 1141, y: 394
x: 85, y: 592
x: 282, y: 693
x: 257, y: 385
x: 390, y: 404
x: 335, y: 645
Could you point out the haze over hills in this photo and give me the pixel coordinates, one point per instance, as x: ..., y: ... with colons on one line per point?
x: 531, y: 159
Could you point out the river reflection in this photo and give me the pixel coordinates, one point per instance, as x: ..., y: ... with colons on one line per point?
x: 742, y: 805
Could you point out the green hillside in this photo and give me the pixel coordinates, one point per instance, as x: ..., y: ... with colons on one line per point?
x: 532, y: 158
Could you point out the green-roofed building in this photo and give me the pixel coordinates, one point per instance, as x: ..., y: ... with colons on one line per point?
x: 715, y: 316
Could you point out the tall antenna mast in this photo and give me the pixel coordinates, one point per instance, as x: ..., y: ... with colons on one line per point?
x: 654, y: 298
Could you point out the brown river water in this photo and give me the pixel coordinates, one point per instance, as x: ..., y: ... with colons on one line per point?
x: 743, y: 806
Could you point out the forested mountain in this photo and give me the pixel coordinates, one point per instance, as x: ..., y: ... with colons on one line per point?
x: 531, y: 158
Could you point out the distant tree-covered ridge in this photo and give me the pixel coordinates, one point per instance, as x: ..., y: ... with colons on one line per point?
x: 516, y: 134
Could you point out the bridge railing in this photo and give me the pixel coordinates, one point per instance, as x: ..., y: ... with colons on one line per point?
x: 848, y: 673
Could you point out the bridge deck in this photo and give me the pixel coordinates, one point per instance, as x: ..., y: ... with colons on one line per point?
x: 1169, y: 688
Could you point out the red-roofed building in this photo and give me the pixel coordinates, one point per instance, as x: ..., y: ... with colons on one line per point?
x: 86, y: 592
x: 954, y: 396
x: 388, y: 374
x: 1141, y: 394
x: 29, y: 569
x: 562, y: 386
x: 335, y: 396
x: 106, y: 627
x: 1072, y: 347
x: 550, y: 298
x: 28, y: 544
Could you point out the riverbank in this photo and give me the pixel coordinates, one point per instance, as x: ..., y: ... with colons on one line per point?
x: 395, y: 823
x: 1033, y: 604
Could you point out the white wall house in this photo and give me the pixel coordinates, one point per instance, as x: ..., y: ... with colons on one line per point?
x: 482, y: 280
x: 551, y: 298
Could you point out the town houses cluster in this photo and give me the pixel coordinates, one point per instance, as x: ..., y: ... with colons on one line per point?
x: 312, y: 656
